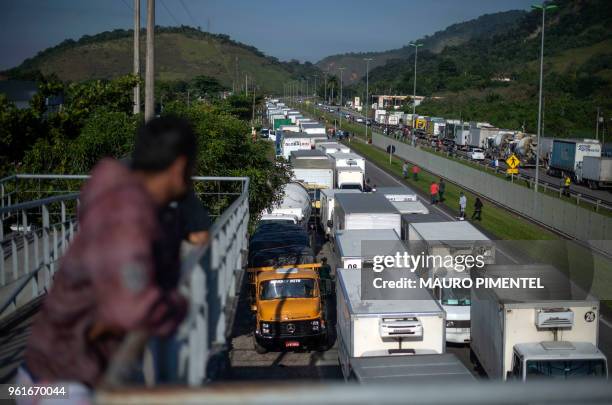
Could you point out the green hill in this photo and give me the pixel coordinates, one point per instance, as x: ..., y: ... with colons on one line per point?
x: 495, y: 78
x: 181, y: 53
x: 456, y: 34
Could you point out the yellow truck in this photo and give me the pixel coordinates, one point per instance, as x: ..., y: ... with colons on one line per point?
x: 289, y: 306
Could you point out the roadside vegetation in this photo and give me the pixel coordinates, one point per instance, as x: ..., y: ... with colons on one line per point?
x: 96, y: 121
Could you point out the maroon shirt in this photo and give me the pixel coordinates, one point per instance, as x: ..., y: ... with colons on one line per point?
x: 105, y: 285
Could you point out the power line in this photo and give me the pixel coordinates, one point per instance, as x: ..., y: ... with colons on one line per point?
x: 170, y: 13
x: 195, y: 24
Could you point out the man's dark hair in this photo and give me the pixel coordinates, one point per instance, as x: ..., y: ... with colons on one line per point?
x: 161, y: 141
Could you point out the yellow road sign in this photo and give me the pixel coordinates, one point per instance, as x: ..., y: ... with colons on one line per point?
x: 513, y: 162
x: 512, y: 171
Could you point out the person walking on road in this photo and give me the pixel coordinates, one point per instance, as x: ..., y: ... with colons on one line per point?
x: 462, y: 205
x: 433, y: 190
x: 566, y: 185
x: 477, y: 210
x: 442, y: 189
x: 415, y: 172
x: 405, y: 169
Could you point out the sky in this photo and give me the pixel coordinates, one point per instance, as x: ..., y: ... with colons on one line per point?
x: 287, y: 29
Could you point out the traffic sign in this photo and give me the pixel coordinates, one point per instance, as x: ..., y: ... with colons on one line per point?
x: 513, y: 162
x: 512, y: 171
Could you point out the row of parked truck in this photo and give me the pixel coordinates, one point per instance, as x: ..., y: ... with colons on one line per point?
x: 581, y: 159
x: 513, y: 334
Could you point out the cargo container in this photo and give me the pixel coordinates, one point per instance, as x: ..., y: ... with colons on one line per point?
x: 479, y: 134
x: 349, y: 178
x: 568, y: 154
x: 442, y: 369
x: 327, y: 207
x: 349, y: 243
x: 457, y: 238
x: 348, y: 160
x: 308, y: 154
x: 294, y: 141
x: 314, y: 173
x: 313, y: 128
x: 332, y: 147
x: 279, y: 122
x: 533, y: 333
x: 596, y: 172
x: 405, y: 328
x: 364, y: 211
x: 398, y: 194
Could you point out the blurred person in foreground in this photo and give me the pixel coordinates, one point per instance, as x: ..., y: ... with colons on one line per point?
x: 119, y: 275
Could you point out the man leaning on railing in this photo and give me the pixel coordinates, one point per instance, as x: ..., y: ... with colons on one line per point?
x: 120, y: 273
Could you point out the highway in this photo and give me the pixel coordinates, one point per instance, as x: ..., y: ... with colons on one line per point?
x: 592, y: 195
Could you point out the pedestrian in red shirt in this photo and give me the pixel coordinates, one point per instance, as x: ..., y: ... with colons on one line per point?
x: 115, y: 277
x: 415, y: 172
x: 433, y: 190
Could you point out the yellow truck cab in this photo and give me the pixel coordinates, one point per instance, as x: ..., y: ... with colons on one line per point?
x: 289, y: 308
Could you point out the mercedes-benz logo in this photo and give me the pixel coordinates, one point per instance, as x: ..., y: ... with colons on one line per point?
x: 290, y: 328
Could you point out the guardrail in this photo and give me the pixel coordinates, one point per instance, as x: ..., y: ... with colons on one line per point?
x: 212, y: 273
x: 560, y: 216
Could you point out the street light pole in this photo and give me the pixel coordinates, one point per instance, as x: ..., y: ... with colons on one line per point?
x: 341, y: 100
x: 543, y: 7
x: 416, y: 54
x: 325, y: 100
x: 367, y: 61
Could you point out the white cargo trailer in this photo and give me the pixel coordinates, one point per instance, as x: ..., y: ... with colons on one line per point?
x: 349, y: 243
x: 348, y: 160
x: 314, y: 173
x: 408, y: 327
x: 534, y: 333
x: 327, y: 207
x: 332, y: 147
x: 289, y: 128
x: 410, y: 207
x: 456, y: 238
x: 349, y: 178
x: 595, y: 171
x: 398, y: 194
x: 308, y: 154
x: 293, y: 141
x: 313, y: 128
x: 442, y: 369
x: 365, y: 211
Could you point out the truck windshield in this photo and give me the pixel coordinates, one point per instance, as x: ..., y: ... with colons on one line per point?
x: 351, y: 187
x: 287, y: 288
x: 565, y: 369
x: 456, y: 296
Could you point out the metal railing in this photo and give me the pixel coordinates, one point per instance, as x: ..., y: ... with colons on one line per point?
x: 39, y: 231
x: 431, y: 391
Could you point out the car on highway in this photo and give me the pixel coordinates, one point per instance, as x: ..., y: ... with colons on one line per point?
x: 477, y: 154
x: 359, y: 119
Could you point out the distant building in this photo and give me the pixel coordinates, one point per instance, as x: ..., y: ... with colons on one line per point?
x: 19, y: 92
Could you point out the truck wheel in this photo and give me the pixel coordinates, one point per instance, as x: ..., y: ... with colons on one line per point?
x: 259, y: 349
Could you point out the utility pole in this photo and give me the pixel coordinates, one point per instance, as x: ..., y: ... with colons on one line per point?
x: 416, y: 53
x: 246, y: 84
x: 316, y: 90
x: 137, y: 55
x: 597, y: 125
x: 150, y: 65
x: 543, y: 7
x: 235, y: 74
x: 367, y: 61
x: 326, y: 88
x: 341, y: 103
